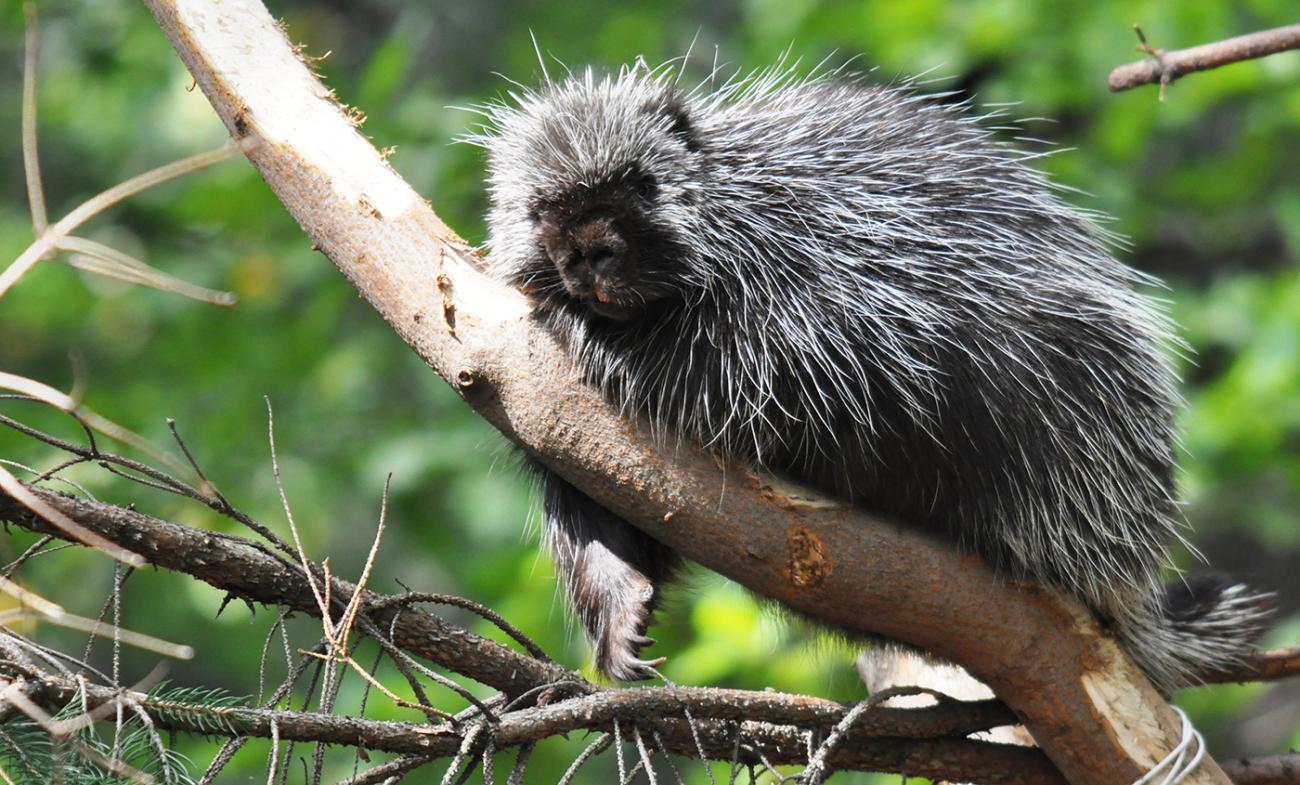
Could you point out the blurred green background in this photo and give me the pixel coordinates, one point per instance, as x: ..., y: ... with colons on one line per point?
x: 1205, y: 186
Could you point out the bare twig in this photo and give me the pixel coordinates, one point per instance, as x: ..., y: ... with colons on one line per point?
x: 160, y: 479
x: 595, y: 748
x: 105, y: 260
x: 407, y: 666
x: 48, y: 241
x: 322, y: 606
x: 55, y: 615
x: 387, y: 772
x: 1165, y: 67
x: 354, y: 604
x: 249, y: 571
x: 89, y: 420
x: 476, y: 608
x: 207, y: 485
x: 31, y: 159
x: 816, y: 769
x: 32, y: 550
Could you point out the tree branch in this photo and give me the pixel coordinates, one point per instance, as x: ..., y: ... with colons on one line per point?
x: 1268, y: 770
x: 238, y: 566
x: 1165, y: 67
x: 1093, y: 713
x: 773, y: 727
x: 1270, y: 665
x: 235, y: 565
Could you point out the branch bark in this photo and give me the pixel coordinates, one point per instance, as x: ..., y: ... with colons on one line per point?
x: 717, y: 713
x: 236, y: 566
x: 1269, y: 665
x: 1269, y: 770
x: 1165, y: 67
x: 1092, y: 712
x: 763, y: 720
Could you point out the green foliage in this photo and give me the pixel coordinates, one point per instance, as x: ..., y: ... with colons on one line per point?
x: 208, y: 709
x: 90, y: 756
x: 1203, y: 185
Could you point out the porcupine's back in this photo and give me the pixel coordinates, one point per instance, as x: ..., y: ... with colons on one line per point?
x: 891, y: 305
x: 903, y: 314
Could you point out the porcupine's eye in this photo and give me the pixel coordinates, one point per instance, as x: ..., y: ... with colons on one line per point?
x: 647, y: 187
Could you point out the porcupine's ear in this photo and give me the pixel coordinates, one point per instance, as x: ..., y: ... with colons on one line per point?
x: 672, y: 104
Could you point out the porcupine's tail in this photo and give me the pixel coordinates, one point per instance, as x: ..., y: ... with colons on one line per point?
x: 1197, y: 626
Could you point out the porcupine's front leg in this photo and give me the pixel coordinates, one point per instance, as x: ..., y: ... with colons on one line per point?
x: 611, y: 573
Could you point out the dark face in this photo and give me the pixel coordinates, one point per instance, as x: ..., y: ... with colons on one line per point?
x: 605, y: 247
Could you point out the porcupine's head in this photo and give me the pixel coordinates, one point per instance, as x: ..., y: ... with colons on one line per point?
x: 592, y: 182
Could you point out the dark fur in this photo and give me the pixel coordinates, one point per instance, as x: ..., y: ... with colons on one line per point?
x: 865, y: 291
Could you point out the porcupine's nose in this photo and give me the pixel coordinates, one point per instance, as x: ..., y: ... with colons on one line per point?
x: 596, y: 255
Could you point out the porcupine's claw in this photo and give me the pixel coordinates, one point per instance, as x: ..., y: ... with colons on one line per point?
x: 611, y: 572
x: 619, y: 641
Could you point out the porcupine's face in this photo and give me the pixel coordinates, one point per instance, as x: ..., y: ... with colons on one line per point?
x: 591, y: 188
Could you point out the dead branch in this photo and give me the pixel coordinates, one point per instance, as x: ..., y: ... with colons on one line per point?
x: 650, y: 709
x: 1270, y: 665
x: 759, y: 718
x: 249, y: 572
x: 1268, y: 770
x: 590, y: 712
x: 232, y: 564
x: 1165, y: 67
x: 1093, y: 713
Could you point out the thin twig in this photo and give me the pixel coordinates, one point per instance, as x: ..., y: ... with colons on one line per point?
x: 105, y: 260
x: 405, y: 664
x: 56, y: 615
x: 87, y: 418
x: 521, y: 765
x: 354, y: 604
x: 31, y: 159
x: 476, y: 608
x: 48, y: 240
x: 162, y: 480
x: 321, y: 604
x: 466, y: 745
x: 663, y: 750
x: 31, y: 551
x: 595, y: 748
x: 208, y: 485
x: 644, y: 753
x: 381, y: 773
x: 1165, y: 67
x: 816, y: 769
x: 1269, y: 665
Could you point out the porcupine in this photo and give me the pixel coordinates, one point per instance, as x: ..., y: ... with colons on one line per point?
x: 864, y: 289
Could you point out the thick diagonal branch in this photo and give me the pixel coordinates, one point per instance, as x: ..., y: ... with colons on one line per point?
x: 1094, y: 714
